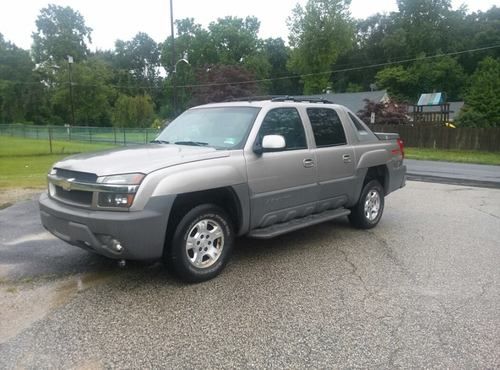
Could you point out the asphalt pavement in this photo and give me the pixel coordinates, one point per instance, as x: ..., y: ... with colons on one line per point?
x: 420, y: 290
x: 454, y: 173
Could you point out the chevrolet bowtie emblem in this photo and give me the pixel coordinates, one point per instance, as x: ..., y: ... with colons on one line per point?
x: 67, y: 184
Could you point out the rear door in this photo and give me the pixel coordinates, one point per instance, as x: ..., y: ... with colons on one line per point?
x: 335, y: 158
x: 282, y: 183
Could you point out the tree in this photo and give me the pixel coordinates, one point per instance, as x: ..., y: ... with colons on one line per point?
x: 140, y: 56
x: 277, y: 55
x: 61, y: 31
x: 234, y: 38
x: 442, y: 74
x: 319, y: 33
x: 92, y: 94
x: 223, y: 82
x: 133, y: 111
x: 230, y: 44
x: 388, y: 113
x: 398, y: 81
x: 425, y: 23
x: 482, y: 100
x: 192, y: 43
x: 22, y: 97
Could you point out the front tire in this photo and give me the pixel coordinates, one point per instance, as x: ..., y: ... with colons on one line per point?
x: 366, y: 214
x: 201, y: 244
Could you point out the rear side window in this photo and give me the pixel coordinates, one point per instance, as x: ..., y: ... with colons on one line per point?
x: 357, y: 122
x: 287, y: 123
x: 327, y: 127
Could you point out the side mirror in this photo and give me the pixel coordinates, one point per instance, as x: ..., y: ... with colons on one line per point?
x: 270, y: 143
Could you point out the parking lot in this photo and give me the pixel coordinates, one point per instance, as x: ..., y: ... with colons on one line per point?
x: 420, y: 290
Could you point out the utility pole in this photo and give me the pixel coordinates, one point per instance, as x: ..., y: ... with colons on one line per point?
x: 174, y: 82
x: 70, y: 62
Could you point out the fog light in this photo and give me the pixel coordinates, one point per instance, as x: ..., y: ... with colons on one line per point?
x: 117, y: 246
x: 115, y: 200
x: 110, y: 243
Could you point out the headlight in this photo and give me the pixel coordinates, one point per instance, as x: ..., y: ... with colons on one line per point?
x: 125, y: 179
x: 115, y: 200
x: 121, y: 198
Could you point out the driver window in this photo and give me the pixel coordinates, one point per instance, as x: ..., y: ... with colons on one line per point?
x: 287, y: 123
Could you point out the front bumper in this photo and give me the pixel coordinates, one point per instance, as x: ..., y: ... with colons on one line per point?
x: 140, y: 233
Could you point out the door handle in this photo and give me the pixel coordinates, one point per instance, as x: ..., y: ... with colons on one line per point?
x: 308, y: 163
x: 347, y: 158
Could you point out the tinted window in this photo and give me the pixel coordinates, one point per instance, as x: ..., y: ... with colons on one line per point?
x: 287, y: 123
x: 327, y: 127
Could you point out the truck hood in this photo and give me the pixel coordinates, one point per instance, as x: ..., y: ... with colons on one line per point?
x: 142, y: 158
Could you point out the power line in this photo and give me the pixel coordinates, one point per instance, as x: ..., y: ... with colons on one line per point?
x: 351, y: 69
x: 345, y: 69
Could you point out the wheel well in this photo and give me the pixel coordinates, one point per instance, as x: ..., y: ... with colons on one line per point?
x: 225, y: 198
x: 379, y: 173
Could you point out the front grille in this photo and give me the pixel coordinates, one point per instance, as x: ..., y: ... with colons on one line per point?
x: 78, y: 176
x: 74, y: 196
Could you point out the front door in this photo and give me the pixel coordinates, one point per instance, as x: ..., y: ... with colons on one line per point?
x: 282, y: 183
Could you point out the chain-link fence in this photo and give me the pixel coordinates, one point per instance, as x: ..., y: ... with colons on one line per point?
x: 105, y: 135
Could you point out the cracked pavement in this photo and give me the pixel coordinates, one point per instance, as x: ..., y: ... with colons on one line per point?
x: 420, y: 290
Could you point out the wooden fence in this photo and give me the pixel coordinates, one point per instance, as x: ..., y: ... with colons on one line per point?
x: 485, y: 139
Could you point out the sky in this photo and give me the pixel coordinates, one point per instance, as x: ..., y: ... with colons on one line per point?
x: 122, y: 19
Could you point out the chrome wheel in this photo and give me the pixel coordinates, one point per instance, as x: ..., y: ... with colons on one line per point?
x: 204, y: 243
x: 372, y: 205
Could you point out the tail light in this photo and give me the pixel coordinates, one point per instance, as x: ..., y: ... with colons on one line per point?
x: 401, y: 147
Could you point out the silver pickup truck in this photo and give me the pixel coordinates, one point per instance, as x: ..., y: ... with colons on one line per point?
x: 218, y: 171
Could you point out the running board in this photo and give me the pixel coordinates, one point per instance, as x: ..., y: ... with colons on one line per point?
x: 298, y: 223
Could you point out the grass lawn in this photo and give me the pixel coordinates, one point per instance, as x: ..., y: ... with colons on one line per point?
x: 24, y: 163
x: 453, y: 156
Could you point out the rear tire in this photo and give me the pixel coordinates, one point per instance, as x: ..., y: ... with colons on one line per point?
x: 201, y: 244
x: 366, y: 214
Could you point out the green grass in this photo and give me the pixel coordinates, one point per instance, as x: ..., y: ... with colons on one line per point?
x: 492, y: 158
x: 24, y: 163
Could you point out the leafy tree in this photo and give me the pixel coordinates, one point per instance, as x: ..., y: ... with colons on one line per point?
x: 230, y: 41
x: 398, y: 81
x: 234, y: 38
x: 482, y: 101
x: 424, y: 22
x: 277, y: 55
x: 92, y: 94
x: 61, y: 31
x: 140, y: 56
x: 223, y: 82
x: 319, y: 33
x: 426, y: 75
x: 192, y: 43
x: 133, y: 111
x: 22, y: 97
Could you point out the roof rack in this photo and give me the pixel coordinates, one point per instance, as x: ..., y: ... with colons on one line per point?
x: 281, y: 98
x: 253, y: 98
x: 301, y: 99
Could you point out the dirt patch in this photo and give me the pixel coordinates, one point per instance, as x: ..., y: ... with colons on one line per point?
x: 22, y: 304
x: 10, y: 196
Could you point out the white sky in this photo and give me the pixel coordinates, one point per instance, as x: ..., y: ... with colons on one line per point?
x: 122, y: 19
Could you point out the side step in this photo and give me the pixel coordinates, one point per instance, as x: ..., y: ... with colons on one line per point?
x: 298, y: 223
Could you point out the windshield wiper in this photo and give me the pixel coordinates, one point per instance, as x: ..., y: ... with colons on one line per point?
x: 193, y: 143
x: 159, y: 142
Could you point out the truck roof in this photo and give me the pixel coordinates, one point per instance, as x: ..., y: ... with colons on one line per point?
x: 264, y: 103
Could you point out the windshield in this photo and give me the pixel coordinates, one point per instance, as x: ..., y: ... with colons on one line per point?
x: 221, y: 128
